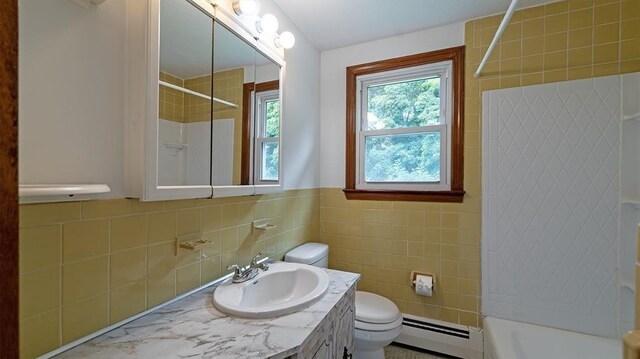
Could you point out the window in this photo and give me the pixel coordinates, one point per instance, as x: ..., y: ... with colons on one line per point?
x: 404, y: 128
x: 267, y: 153
x: 260, y: 162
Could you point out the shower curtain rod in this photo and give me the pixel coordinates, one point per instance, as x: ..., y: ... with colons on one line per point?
x: 191, y: 92
x: 496, y: 37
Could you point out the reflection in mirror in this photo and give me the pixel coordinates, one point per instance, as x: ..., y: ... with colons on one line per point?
x: 184, y: 106
x: 261, y: 102
x: 233, y: 62
x: 219, y: 104
x: 267, y: 123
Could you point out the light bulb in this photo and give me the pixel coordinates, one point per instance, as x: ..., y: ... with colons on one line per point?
x: 246, y: 7
x: 286, y: 40
x: 268, y: 24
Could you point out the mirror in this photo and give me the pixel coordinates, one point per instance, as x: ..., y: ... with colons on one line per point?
x: 266, y: 115
x: 184, y: 97
x: 234, y: 63
x: 219, y: 104
x: 244, y: 76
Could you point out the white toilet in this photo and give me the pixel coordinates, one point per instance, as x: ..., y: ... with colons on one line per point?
x: 378, y: 320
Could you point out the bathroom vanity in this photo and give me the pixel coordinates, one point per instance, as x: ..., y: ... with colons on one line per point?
x: 193, y: 327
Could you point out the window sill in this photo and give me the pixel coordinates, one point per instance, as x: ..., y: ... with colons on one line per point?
x: 455, y: 196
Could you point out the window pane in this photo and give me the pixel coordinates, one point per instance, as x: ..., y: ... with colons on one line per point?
x: 270, y: 161
x: 404, y: 104
x: 403, y: 158
x: 273, y: 118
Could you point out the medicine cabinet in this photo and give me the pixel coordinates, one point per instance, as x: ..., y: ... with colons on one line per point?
x: 204, y: 98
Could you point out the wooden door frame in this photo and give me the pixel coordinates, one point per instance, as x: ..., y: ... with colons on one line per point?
x: 9, y: 335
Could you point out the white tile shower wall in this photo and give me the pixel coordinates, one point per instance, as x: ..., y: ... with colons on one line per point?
x: 172, y: 162
x: 222, y: 161
x: 175, y: 163
x: 198, y: 152
x: 550, y: 204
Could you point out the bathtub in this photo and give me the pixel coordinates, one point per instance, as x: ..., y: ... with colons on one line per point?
x: 506, y: 339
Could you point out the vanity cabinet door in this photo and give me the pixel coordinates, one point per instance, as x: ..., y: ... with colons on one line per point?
x: 323, y: 351
x: 343, y: 335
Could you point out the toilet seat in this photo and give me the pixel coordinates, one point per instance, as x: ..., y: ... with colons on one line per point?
x: 376, y: 313
x: 376, y: 327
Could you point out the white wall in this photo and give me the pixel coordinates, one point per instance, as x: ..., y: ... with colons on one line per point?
x: 301, y: 107
x: 72, y: 78
x: 333, y: 86
x: 268, y: 72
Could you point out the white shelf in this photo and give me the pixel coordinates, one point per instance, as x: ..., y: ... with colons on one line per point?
x: 634, y: 117
x: 32, y: 190
x: 628, y: 284
x: 86, y: 3
x: 38, y: 193
x: 176, y: 145
x: 263, y: 224
x: 194, y: 93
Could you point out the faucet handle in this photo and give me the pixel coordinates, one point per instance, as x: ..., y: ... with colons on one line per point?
x: 254, y: 263
x: 236, y: 268
x: 254, y: 260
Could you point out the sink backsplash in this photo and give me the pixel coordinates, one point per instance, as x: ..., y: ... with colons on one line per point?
x: 87, y: 265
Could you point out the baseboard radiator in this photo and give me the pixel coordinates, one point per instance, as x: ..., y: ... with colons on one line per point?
x: 441, y: 337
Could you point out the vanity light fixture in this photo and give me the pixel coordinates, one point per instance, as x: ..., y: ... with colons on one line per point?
x: 286, y: 40
x: 246, y: 7
x: 267, y: 25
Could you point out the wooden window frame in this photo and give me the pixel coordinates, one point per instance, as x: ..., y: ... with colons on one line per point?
x: 9, y: 303
x: 247, y: 89
x: 260, y: 139
x: 456, y: 193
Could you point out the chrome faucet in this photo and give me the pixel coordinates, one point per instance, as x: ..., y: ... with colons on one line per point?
x: 243, y: 274
x: 254, y: 263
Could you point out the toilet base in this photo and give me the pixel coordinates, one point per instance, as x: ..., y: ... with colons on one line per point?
x: 370, y: 345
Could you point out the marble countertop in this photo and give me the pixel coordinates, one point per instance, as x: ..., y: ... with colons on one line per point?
x: 193, y: 328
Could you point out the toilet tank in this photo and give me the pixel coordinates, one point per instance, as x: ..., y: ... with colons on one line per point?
x: 315, y: 254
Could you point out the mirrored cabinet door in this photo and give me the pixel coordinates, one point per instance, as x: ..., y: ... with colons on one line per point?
x: 246, y: 124
x: 233, y: 63
x: 185, y: 103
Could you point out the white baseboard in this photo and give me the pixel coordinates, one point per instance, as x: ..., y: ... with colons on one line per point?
x: 441, y: 337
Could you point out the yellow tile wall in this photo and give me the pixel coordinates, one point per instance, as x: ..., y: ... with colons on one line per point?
x: 198, y: 109
x: 87, y: 265
x: 384, y: 241
x: 559, y: 41
x: 171, y: 101
x: 178, y: 106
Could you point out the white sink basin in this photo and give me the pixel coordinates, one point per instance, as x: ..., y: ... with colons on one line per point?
x: 283, y: 289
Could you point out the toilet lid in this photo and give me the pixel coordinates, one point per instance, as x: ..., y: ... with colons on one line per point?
x: 372, y: 308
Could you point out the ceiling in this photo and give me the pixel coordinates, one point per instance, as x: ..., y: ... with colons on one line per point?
x: 331, y: 24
